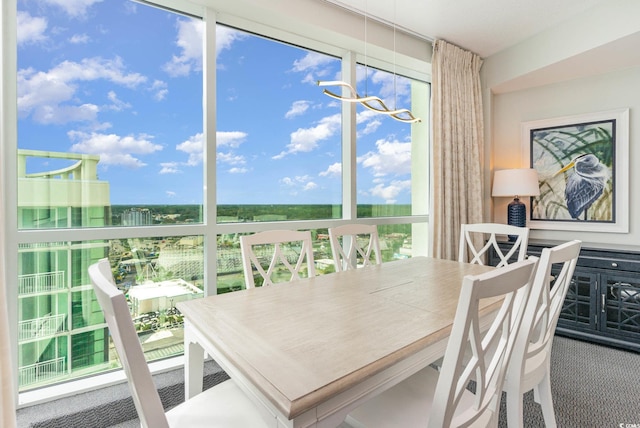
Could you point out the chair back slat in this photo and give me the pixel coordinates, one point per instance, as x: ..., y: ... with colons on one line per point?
x: 477, y: 239
x: 354, y: 245
x: 271, y: 252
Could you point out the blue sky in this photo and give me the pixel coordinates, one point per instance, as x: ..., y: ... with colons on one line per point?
x: 124, y: 81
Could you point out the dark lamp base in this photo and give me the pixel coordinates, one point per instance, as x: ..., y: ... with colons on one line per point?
x: 516, y: 215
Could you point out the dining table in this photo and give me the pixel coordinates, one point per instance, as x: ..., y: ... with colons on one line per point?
x: 309, y: 351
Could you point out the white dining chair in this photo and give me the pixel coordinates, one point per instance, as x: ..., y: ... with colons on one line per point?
x: 436, y: 399
x: 275, y: 253
x: 223, y: 405
x: 477, y: 239
x: 530, y: 365
x: 354, y: 245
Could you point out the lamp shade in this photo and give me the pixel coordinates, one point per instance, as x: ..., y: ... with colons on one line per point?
x: 515, y: 182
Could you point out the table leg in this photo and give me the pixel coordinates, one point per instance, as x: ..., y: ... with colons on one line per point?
x: 193, y: 363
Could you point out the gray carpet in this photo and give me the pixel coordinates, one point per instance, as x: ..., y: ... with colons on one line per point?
x: 593, y: 386
x: 111, y: 406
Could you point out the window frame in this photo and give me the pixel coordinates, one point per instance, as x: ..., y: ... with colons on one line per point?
x: 344, y: 42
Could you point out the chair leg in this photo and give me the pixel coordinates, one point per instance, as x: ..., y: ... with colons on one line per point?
x: 514, y: 409
x: 546, y: 401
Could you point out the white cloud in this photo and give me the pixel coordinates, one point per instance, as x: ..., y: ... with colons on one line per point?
x: 130, y: 8
x: 312, y: 61
x: 297, y: 108
x: 170, y: 194
x: 306, y: 139
x: 392, y: 157
x: 230, y: 138
x: 299, y: 182
x: 371, y: 127
x: 78, y: 39
x: 193, y: 147
x: 47, y: 114
x: 226, y: 36
x: 314, y: 65
x: 230, y: 158
x: 74, y: 8
x: 310, y: 186
x: 195, y: 144
x: 114, y: 149
x: 390, y: 192
x: 160, y: 90
x: 170, y: 168
x: 43, y: 93
x: 30, y: 29
x: 334, y: 170
x: 117, y: 104
x: 238, y: 170
x: 189, y: 40
x: 394, y: 90
x: 370, y: 120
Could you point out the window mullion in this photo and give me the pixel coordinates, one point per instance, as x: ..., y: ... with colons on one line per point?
x: 209, y: 151
x: 349, y: 122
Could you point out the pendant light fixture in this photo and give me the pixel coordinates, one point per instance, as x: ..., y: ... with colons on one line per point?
x: 372, y: 103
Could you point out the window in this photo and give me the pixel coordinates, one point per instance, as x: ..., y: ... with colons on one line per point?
x: 266, y: 172
x: 109, y: 134
x: 110, y: 115
x: 113, y: 160
x: 57, y: 306
x: 387, y: 149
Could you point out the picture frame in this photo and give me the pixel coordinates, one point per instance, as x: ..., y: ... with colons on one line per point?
x: 583, y: 171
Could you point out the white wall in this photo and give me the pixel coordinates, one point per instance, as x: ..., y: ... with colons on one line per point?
x: 588, y: 64
x: 604, y: 92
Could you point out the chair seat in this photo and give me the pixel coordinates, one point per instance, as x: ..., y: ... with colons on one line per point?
x: 223, y: 405
x: 408, y: 404
x: 535, y: 369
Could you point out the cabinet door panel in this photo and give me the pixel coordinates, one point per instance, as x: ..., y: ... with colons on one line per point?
x: 581, y: 298
x: 621, y: 305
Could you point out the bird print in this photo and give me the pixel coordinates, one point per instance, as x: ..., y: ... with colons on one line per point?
x: 585, y: 185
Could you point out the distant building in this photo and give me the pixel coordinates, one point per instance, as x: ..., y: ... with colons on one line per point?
x: 136, y: 217
x: 158, y: 296
x: 61, y: 329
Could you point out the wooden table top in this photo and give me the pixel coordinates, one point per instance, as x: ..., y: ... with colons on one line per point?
x: 301, y: 343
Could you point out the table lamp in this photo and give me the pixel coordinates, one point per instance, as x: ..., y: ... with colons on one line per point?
x: 516, y: 183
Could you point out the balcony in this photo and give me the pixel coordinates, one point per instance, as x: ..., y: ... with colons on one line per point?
x: 41, y: 283
x: 42, y: 327
x: 42, y: 372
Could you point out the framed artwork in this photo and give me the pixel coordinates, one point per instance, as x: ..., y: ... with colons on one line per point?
x: 583, y: 171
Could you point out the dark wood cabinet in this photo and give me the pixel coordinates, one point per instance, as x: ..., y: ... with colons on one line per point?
x: 603, y: 301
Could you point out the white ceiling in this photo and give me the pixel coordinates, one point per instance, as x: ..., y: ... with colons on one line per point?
x: 481, y: 26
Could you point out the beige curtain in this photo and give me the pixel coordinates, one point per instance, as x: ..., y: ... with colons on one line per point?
x: 457, y: 145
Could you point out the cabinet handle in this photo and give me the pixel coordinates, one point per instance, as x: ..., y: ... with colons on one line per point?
x: 604, y: 302
x: 614, y: 264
